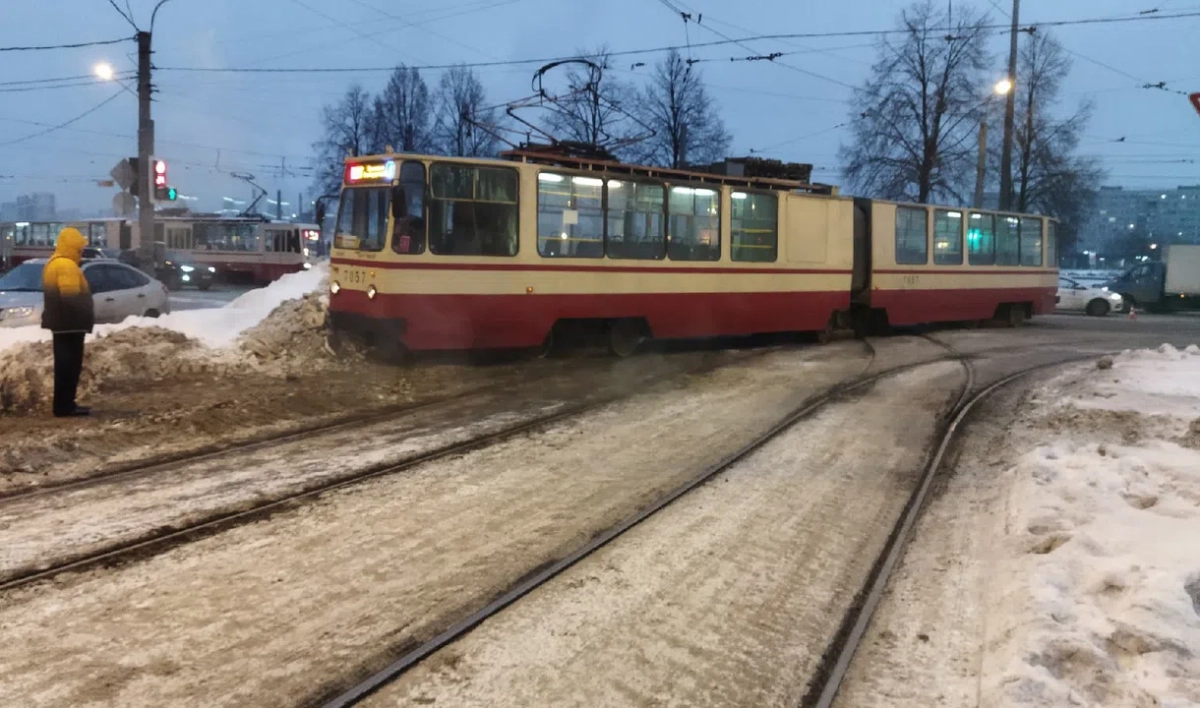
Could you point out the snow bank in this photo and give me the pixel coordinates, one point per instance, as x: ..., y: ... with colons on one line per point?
x: 217, y: 327
x: 281, y: 323
x: 1102, y: 602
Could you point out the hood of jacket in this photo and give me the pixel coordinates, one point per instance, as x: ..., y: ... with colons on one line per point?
x: 70, y: 245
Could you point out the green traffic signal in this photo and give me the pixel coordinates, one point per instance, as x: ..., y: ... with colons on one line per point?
x: 172, y: 193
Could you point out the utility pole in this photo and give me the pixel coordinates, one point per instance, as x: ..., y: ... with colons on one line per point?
x: 145, y: 151
x: 1009, y: 110
x: 981, y: 168
x: 279, y: 205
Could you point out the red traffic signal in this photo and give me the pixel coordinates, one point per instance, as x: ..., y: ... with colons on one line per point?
x: 160, y: 173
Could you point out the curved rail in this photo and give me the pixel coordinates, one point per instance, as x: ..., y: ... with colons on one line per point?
x: 542, y: 575
x: 840, y: 654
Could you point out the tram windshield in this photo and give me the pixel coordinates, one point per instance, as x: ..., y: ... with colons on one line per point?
x: 362, y: 219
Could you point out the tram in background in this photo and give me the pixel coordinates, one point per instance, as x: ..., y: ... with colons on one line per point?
x: 440, y: 253
x: 242, y: 249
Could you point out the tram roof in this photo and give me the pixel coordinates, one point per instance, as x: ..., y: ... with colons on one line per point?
x: 711, y: 176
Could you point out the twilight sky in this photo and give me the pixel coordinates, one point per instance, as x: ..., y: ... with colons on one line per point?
x: 210, y: 124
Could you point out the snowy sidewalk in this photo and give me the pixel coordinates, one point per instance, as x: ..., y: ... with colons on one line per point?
x: 1097, y: 600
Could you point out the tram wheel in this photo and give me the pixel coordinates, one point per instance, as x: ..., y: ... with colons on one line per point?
x: 1016, y: 315
x: 625, y: 337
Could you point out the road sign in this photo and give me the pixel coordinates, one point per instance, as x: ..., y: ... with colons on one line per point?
x: 124, y: 174
x: 1195, y: 101
x: 124, y: 204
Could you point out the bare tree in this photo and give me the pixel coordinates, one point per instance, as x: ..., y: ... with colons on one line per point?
x: 592, y: 108
x: 461, y: 110
x: 914, y: 127
x: 345, y: 133
x: 1051, y: 177
x: 686, y: 125
x: 403, y: 112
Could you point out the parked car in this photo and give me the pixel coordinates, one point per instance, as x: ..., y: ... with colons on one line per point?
x: 179, y: 271
x: 96, y: 252
x: 1092, y: 299
x: 118, y: 291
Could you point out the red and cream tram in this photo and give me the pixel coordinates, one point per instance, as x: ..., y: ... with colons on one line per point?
x: 244, y: 249
x: 434, y: 253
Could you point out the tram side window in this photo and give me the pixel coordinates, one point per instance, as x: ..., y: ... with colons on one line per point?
x: 472, y: 210
x: 23, y: 235
x: 947, y: 237
x: 912, y: 243
x: 635, y: 220
x: 408, y: 230
x: 40, y: 235
x: 694, y: 225
x: 754, y: 223
x: 1052, y: 243
x: 981, y: 239
x: 1008, y: 244
x: 97, y: 235
x: 570, y: 216
x: 1031, y: 241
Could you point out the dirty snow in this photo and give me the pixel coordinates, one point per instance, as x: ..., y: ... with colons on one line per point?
x: 271, y: 325
x: 1104, y: 604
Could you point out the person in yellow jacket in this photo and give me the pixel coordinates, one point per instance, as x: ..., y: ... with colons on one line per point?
x: 68, y: 312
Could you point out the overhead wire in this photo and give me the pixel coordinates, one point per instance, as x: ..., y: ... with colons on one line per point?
x: 64, y: 124
x: 122, y: 13
x: 75, y: 45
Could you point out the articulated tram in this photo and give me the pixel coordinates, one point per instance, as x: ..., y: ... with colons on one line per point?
x: 246, y: 249
x: 454, y: 253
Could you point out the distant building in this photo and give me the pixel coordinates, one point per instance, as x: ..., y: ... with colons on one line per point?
x: 38, y: 206
x: 1160, y: 216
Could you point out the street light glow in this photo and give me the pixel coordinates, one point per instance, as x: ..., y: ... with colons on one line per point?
x: 104, y: 70
x: 1003, y: 86
x: 1153, y: 246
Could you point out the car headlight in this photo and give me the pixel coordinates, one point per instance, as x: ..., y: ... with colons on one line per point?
x: 1105, y: 288
x: 1114, y: 296
x: 211, y: 269
x: 17, y: 313
x: 187, y: 269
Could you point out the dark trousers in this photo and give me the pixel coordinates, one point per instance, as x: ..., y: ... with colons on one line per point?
x: 68, y: 365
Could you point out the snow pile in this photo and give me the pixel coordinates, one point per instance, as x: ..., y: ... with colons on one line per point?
x: 137, y: 355
x: 283, y: 321
x: 1102, y: 602
x: 294, y: 331
x: 217, y: 327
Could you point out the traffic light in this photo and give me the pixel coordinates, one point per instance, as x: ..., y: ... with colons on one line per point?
x: 160, y: 179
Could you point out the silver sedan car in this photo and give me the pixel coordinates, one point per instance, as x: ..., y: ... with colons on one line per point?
x: 118, y: 291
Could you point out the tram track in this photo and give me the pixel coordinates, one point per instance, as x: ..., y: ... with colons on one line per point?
x: 539, y: 576
x: 422, y: 584
x: 831, y: 670
x: 163, y: 537
x: 839, y: 654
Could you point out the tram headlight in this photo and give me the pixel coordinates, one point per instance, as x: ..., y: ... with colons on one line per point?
x: 212, y: 269
x: 335, y: 287
x: 308, y: 266
x: 187, y: 268
x: 372, y: 292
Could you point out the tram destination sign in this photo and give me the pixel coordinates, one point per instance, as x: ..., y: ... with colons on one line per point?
x: 371, y: 172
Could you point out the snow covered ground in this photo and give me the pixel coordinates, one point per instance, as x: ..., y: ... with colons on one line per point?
x: 215, y: 327
x: 1104, y: 606
x: 1060, y: 565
